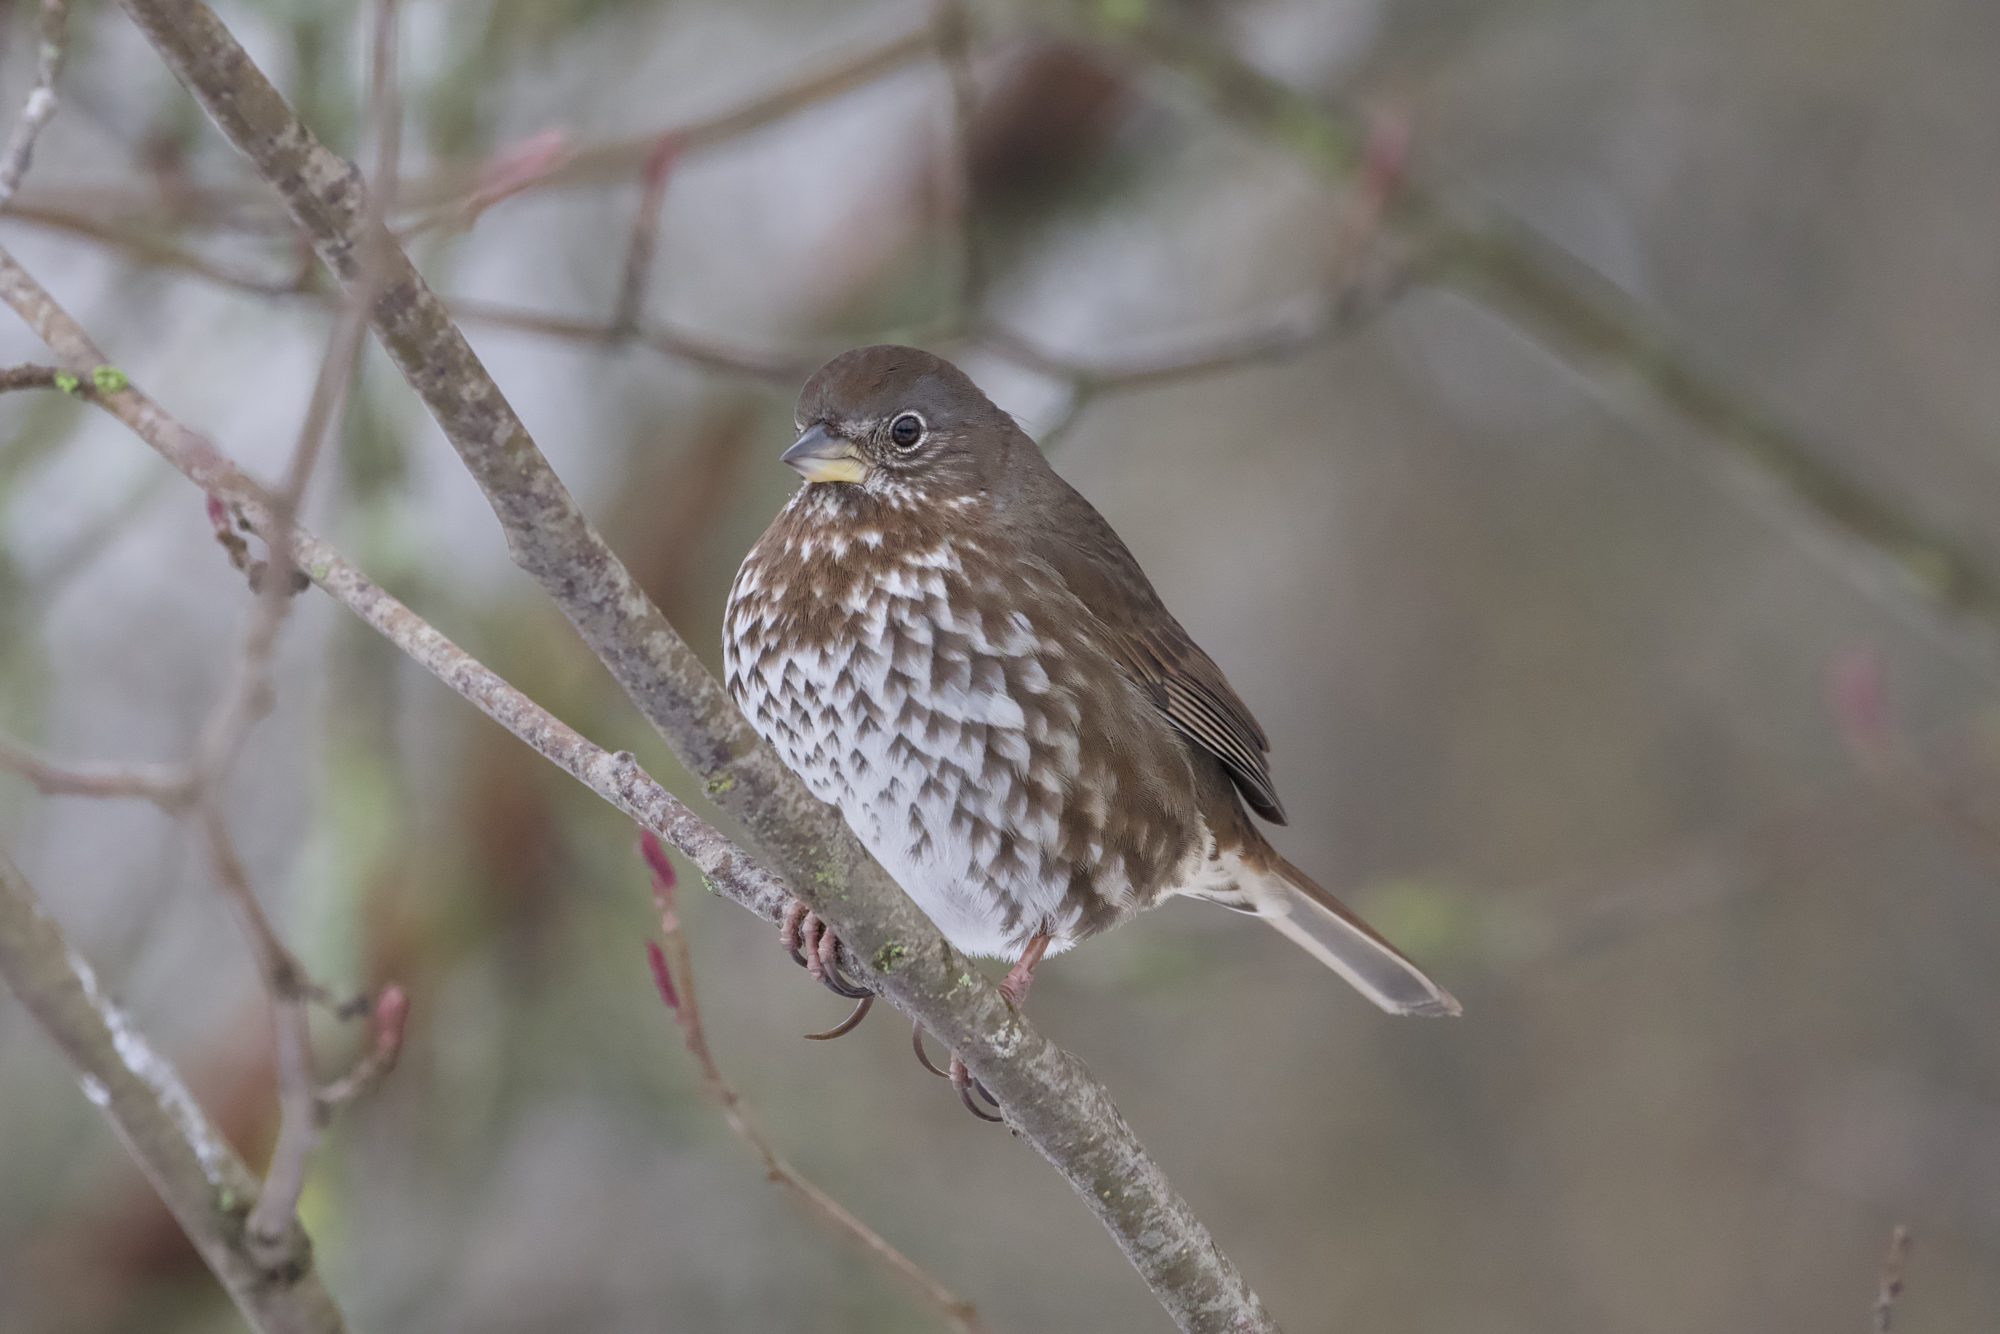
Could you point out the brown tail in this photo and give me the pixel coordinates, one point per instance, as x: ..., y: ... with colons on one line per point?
x: 1323, y: 927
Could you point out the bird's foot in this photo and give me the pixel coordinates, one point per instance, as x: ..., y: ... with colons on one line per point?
x: 960, y: 1076
x: 1014, y: 987
x: 814, y: 947
x: 1021, y: 976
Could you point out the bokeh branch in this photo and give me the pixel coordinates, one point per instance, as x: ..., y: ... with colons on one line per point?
x: 616, y: 777
x: 1889, y: 1287
x: 271, y: 1234
x: 51, y: 50
x: 1050, y: 1099
x: 1585, y: 318
x: 190, y: 1164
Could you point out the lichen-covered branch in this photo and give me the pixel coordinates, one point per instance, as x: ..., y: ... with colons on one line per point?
x: 190, y: 1164
x: 1049, y: 1097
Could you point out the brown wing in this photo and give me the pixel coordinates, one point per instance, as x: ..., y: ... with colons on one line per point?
x: 1184, y: 683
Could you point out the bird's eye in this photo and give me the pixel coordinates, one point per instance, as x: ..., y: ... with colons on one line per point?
x: 907, y: 431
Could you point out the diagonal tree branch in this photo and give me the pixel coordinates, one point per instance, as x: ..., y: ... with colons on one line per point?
x: 1050, y: 1098
x: 614, y: 776
x: 196, y: 1173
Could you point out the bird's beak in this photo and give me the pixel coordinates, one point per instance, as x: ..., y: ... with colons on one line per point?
x: 821, y: 456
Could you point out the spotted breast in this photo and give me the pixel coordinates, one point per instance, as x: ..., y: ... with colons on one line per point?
x: 933, y: 681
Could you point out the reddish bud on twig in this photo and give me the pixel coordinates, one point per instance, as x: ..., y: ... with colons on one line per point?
x: 516, y: 167
x: 660, y: 163
x: 663, y: 979
x: 1385, y: 155
x: 661, y: 867
x: 226, y: 535
x: 387, y: 1019
x: 391, y: 1015
x: 1857, y: 693
x: 645, y: 233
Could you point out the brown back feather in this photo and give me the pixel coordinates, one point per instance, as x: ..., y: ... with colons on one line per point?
x: 1183, y: 682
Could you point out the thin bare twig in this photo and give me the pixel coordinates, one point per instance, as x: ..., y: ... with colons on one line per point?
x: 169, y: 786
x: 277, y: 1243
x: 670, y: 343
x: 181, y: 789
x: 1890, y: 1286
x: 455, y: 195
x: 676, y: 345
x: 388, y: 1015
x: 448, y: 191
x: 178, y: 789
x: 28, y: 377
x: 188, y: 1161
x: 141, y: 245
x: 514, y: 169
x: 673, y: 975
x: 301, y: 1111
x: 625, y: 315
x: 271, y: 1229
x: 1352, y: 298
x: 53, y: 32
x: 86, y: 384
x: 1857, y: 690
x: 1286, y: 332
x: 954, y: 43
x: 615, y: 776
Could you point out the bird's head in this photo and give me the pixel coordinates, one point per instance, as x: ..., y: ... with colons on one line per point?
x: 901, y: 421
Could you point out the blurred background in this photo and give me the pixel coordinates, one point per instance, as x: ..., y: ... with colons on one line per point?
x: 1684, y: 792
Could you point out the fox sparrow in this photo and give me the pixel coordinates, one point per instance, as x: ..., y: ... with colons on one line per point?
x: 944, y: 640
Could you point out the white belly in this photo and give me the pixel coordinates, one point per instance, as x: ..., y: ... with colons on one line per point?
x: 908, y: 721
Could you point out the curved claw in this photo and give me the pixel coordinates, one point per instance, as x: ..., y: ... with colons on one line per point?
x: 965, y: 1096
x: 833, y: 976
x: 962, y: 1080
x: 788, y: 932
x: 817, y: 950
x: 923, y: 1057
x: 847, y: 1025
